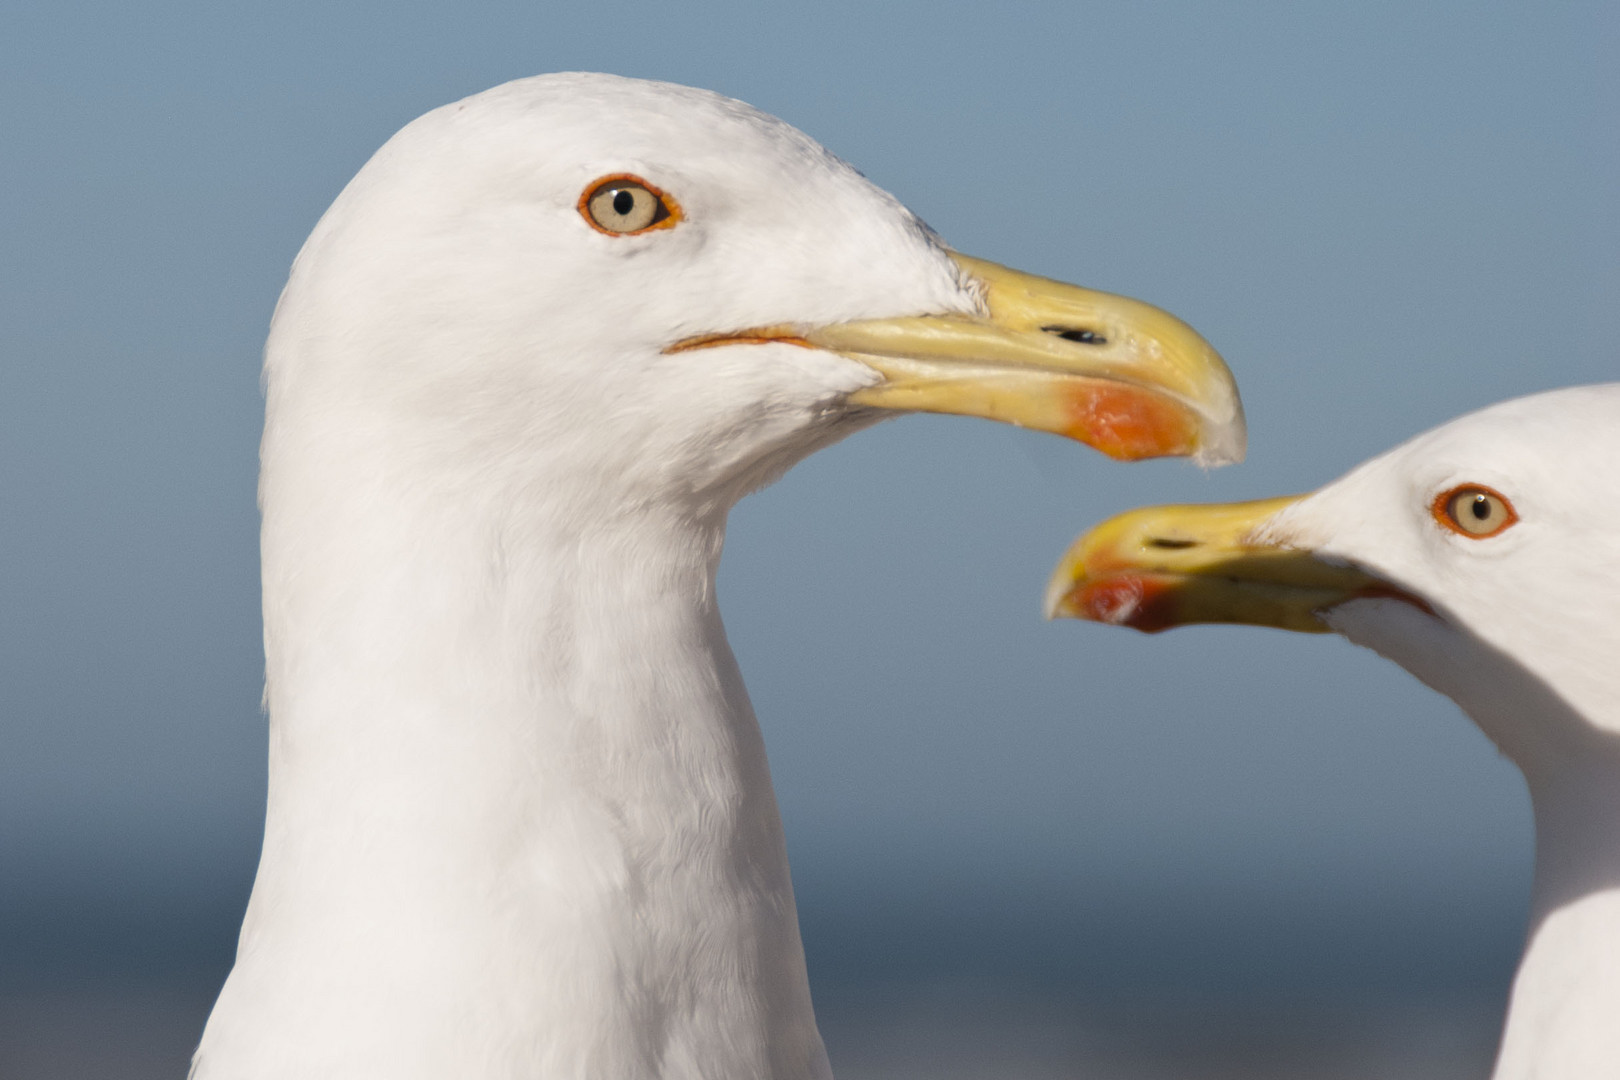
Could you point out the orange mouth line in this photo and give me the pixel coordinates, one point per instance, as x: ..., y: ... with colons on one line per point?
x: 763, y: 335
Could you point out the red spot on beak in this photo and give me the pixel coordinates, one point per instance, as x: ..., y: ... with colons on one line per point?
x: 1140, y: 601
x: 1129, y: 423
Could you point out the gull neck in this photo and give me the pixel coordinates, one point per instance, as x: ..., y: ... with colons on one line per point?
x: 520, y: 819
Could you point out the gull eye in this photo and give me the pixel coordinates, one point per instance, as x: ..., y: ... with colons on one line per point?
x: 1474, y: 511
x: 625, y: 205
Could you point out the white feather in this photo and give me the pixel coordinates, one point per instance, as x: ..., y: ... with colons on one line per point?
x: 1526, y: 642
x: 520, y: 822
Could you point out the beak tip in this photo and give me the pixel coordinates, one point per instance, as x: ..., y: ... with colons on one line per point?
x: 1224, y: 442
x: 1052, y: 607
x: 1058, y: 600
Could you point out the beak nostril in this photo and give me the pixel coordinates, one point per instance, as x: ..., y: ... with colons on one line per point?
x: 1076, y: 334
x: 1170, y: 544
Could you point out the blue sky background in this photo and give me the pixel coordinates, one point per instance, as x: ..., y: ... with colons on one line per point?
x: 1383, y: 214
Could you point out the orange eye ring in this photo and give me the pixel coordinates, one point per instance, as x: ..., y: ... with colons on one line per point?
x: 1474, y: 510
x: 623, y: 204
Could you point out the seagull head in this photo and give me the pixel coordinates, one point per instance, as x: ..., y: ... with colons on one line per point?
x: 1481, y: 556
x: 656, y: 290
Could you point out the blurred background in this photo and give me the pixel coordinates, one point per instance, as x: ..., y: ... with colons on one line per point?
x: 1022, y: 850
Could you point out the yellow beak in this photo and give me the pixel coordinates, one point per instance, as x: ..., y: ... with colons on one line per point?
x: 1166, y: 566
x: 1117, y: 374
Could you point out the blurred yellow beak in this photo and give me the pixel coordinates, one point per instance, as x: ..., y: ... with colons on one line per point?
x: 1166, y: 566
x: 1117, y: 374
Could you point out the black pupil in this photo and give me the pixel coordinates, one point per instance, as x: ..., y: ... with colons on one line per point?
x: 623, y: 202
x: 1481, y: 507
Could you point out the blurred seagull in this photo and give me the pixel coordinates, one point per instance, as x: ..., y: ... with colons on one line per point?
x: 1483, y: 557
x: 520, y: 823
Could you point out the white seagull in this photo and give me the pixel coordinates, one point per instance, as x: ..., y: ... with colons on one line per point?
x: 520, y: 823
x: 1483, y: 557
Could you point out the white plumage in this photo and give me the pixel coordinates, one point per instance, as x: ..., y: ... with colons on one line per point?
x: 520, y: 822
x: 1483, y: 557
x: 1526, y: 644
